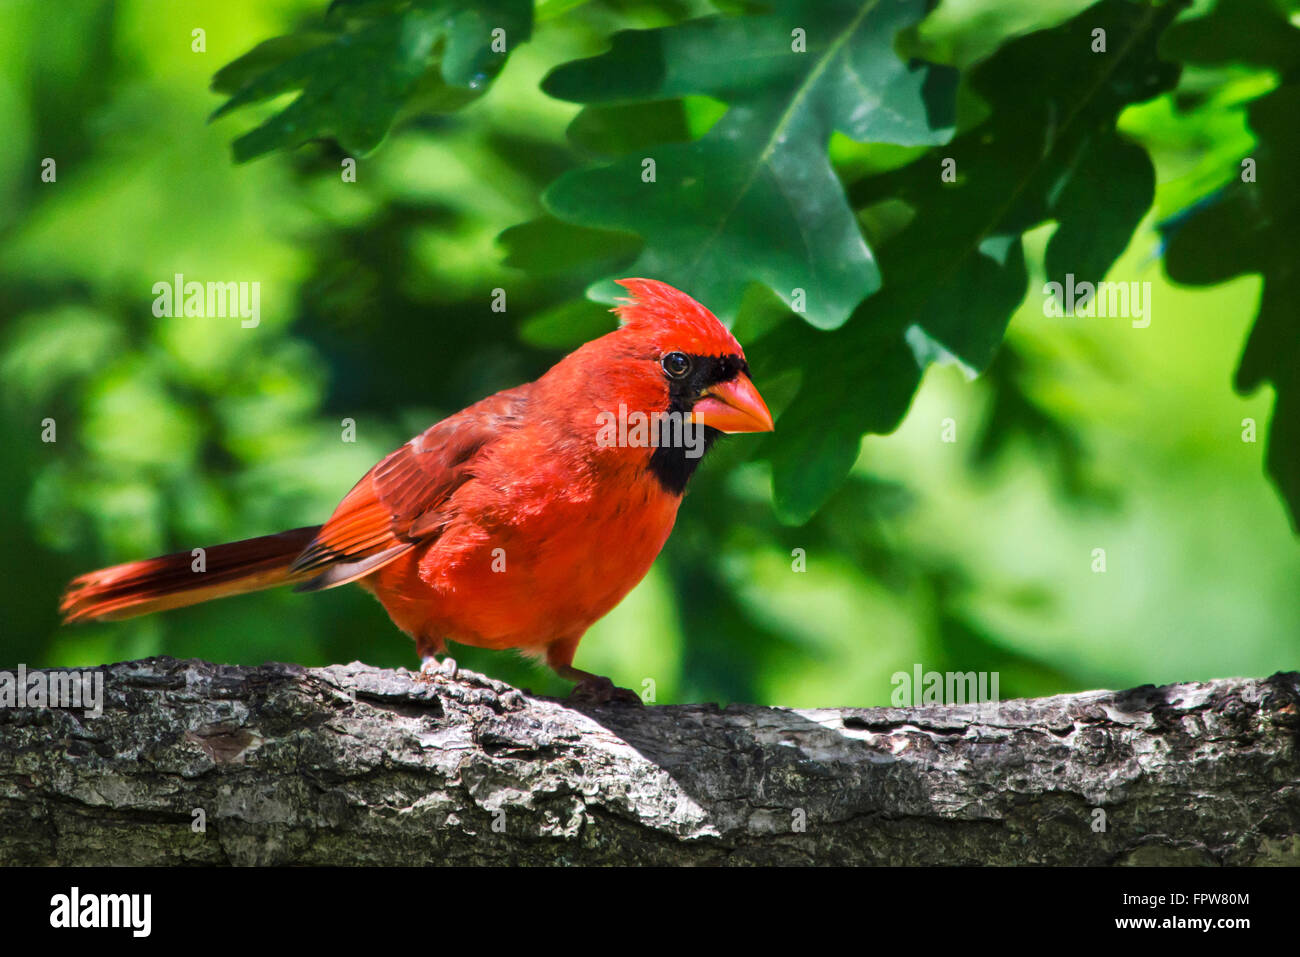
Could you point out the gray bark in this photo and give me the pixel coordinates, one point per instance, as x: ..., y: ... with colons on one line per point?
x: 358, y: 765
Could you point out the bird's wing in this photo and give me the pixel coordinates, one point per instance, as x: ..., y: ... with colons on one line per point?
x: 399, y: 502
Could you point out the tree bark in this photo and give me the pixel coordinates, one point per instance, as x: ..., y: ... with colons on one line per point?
x: 358, y: 765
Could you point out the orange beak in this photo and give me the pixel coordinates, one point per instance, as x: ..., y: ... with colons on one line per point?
x: 733, y: 406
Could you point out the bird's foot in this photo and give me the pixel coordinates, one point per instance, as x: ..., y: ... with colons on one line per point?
x: 431, y: 668
x: 597, y: 689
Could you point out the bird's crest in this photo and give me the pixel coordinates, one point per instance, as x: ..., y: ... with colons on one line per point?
x: 674, y: 319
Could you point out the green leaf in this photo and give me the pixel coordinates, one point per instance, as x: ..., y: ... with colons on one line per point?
x: 756, y: 198
x: 841, y: 396
x: 546, y: 246
x: 608, y: 129
x: 268, y: 54
x: 567, y: 325
x: 469, y: 59
x: 1249, y: 227
x: 1257, y: 32
x: 353, y: 80
x: 956, y: 272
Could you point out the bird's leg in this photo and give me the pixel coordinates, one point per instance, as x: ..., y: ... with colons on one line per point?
x: 596, y: 689
x: 590, y: 688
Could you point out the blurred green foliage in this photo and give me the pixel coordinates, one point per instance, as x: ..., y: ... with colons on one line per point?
x: 494, y: 172
x: 1244, y: 228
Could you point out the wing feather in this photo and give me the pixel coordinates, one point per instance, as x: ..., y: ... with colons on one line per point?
x: 401, y: 501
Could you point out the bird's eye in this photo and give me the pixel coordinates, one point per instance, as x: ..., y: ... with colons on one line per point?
x: 676, y: 364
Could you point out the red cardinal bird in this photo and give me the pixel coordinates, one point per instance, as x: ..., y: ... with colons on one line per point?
x: 515, y: 523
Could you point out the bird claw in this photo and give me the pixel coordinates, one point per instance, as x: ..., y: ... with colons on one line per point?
x: 599, y: 690
x: 431, y: 668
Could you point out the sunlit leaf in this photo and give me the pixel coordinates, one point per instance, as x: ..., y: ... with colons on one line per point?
x: 1249, y: 225
x: 353, y: 81
x: 955, y: 274
x: 756, y: 198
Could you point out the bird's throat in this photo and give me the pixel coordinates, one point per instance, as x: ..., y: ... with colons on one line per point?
x: 673, y: 463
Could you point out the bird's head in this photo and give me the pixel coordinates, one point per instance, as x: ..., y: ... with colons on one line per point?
x: 673, y: 366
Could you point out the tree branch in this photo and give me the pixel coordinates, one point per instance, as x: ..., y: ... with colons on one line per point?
x: 358, y: 765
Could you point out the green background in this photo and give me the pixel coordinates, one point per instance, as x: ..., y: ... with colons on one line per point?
x: 376, y: 306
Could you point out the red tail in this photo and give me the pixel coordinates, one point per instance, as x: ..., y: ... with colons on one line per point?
x: 173, y: 581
